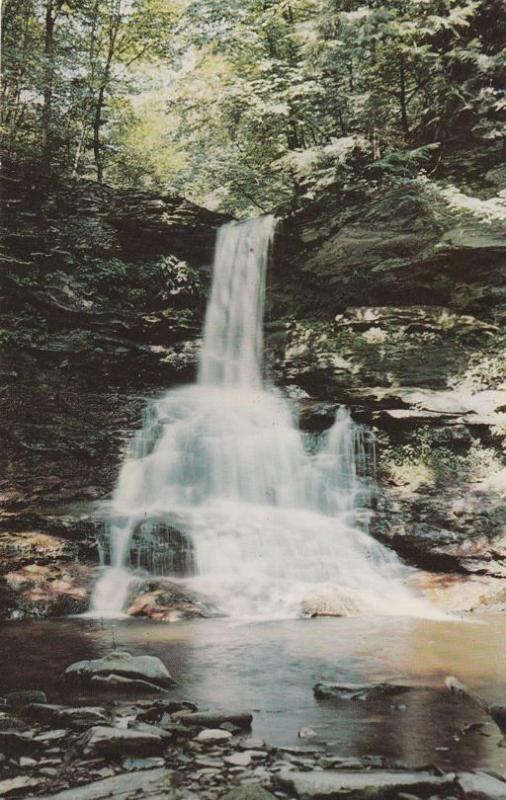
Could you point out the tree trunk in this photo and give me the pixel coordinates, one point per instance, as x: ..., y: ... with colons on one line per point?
x: 403, y: 99
x: 115, y: 24
x: 48, y: 88
x: 97, y: 122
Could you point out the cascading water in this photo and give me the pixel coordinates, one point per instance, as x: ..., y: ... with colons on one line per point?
x: 221, y: 484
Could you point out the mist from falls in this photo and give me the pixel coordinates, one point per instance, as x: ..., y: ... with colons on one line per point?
x: 223, y: 493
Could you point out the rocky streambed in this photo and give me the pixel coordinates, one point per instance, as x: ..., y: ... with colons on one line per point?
x: 136, y: 739
x: 207, y: 709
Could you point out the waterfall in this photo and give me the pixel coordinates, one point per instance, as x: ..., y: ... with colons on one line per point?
x: 222, y: 492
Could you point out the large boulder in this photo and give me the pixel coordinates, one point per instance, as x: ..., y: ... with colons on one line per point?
x: 164, y: 600
x: 118, y: 669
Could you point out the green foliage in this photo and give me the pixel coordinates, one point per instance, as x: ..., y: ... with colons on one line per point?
x: 144, y: 285
x: 251, y: 106
x: 65, y: 65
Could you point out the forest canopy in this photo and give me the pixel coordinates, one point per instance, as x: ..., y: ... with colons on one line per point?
x: 248, y: 105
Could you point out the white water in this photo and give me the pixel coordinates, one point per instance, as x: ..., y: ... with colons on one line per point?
x: 273, y: 523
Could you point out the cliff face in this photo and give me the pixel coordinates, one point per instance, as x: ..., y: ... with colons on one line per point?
x: 102, y: 299
x: 390, y: 302
x: 394, y: 303
x: 411, y: 244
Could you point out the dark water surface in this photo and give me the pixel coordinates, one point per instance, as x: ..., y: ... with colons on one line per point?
x: 270, y: 668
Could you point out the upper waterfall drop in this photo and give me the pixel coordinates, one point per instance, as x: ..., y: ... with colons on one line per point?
x: 223, y: 492
x: 232, y: 350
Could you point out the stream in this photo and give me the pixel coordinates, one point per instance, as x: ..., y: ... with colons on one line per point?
x: 270, y: 668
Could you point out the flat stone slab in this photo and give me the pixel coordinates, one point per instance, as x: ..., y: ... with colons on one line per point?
x: 213, y: 719
x: 483, y: 783
x: 374, y: 783
x: 13, y: 786
x: 147, y: 783
x: 356, y: 691
x: 252, y: 791
x: 105, y: 741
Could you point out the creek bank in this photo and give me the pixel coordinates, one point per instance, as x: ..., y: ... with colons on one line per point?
x: 168, y: 748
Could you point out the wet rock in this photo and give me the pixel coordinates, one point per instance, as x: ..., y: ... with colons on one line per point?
x: 316, y: 416
x: 8, y: 722
x: 336, y: 762
x: 373, y: 783
x: 78, y: 718
x: 15, y: 744
x: 51, y: 737
x: 215, y: 719
x: 120, y: 683
x: 165, y: 601
x: 42, y: 712
x: 119, y: 668
x: 251, y: 791
x: 230, y: 727
x: 25, y: 762
x: 162, y: 710
x: 351, y: 691
x: 176, y: 728
x: 23, y: 698
x: 17, y: 786
x: 457, y: 529
x: 179, y: 705
x: 147, y: 783
x: 113, y: 742
x: 251, y: 743
x: 238, y: 759
x: 213, y: 736
x: 481, y: 783
x: 132, y: 764
x: 51, y: 590
x: 25, y: 548
x: 48, y: 772
x: 82, y: 717
x: 306, y: 733
x: 160, y: 545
